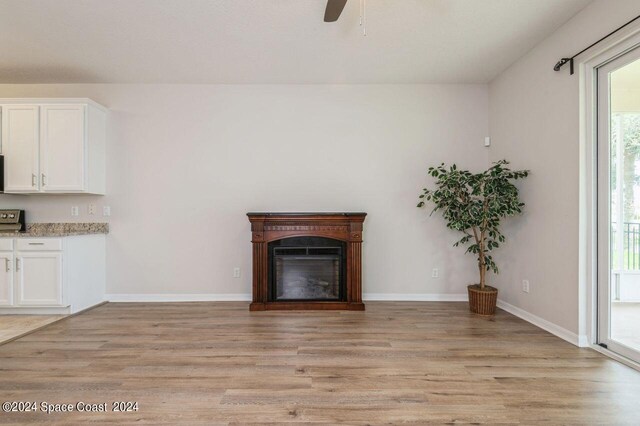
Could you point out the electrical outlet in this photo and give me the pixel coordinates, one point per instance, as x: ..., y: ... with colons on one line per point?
x: 236, y: 272
x: 75, y: 211
x: 91, y: 209
x: 525, y: 286
x: 106, y: 211
x: 435, y: 273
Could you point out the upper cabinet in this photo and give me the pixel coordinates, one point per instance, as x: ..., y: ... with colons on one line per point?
x: 20, y: 146
x: 57, y: 146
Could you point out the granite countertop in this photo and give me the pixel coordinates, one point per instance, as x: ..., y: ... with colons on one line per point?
x: 59, y: 230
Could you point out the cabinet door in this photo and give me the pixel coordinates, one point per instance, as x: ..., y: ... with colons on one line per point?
x: 39, y: 278
x: 6, y: 278
x: 20, y: 146
x: 62, y: 148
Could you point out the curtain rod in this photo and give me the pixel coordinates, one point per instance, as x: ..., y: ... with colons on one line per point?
x: 563, y: 61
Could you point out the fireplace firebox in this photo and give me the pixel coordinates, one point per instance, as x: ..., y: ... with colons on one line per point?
x: 307, y: 260
x: 307, y: 268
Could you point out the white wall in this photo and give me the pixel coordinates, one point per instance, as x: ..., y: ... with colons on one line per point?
x: 534, y: 121
x: 186, y: 162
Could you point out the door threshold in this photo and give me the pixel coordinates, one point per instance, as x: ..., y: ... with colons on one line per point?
x: 616, y: 356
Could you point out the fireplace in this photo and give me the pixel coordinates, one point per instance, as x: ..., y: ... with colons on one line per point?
x: 307, y: 260
x: 307, y: 268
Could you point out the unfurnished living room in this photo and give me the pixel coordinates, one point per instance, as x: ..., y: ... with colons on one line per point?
x: 218, y: 212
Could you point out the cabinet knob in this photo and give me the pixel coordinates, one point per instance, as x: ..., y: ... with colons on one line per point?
x: 44, y: 180
x: 7, y: 264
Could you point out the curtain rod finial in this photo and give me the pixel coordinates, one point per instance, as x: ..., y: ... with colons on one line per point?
x: 560, y: 63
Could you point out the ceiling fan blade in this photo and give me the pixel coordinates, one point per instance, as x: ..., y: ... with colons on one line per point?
x: 333, y: 10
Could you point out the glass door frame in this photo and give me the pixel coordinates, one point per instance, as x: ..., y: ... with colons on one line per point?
x: 603, y: 145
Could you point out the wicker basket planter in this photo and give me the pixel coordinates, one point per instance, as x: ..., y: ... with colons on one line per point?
x: 482, y: 302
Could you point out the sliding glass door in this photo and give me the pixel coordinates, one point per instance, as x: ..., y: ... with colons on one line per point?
x: 619, y: 205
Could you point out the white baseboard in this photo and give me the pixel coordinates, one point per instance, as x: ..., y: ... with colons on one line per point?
x: 415, y: 297
x: 552, y: 328
x: 224, y: 297
x: 583, y: 341
x: 35, y: 310
x: 246, y: 297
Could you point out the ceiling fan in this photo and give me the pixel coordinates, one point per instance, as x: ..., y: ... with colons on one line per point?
x: 333, y: 10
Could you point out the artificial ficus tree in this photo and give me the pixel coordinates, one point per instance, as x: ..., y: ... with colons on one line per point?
x: 474, y: 204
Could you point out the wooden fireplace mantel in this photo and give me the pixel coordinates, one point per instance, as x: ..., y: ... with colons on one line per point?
x: 267, y: 227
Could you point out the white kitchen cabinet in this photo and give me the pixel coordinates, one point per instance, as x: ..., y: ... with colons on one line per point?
x: 39, y: 278
x: 20, y: 146
x: 53, y: 146
x: 62, y: 139
x: 51, y: 275
x: 6, y: 278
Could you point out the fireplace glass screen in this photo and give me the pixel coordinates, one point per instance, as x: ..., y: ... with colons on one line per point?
x: 307, y: 277
x: 307, y: 268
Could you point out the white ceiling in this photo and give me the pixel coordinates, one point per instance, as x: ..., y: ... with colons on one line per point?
x: 269, y: 41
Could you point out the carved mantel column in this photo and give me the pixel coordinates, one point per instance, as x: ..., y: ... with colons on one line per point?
x: 259, y: 264
x: 354, y: 265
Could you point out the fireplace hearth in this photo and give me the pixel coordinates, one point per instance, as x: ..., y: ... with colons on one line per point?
x: 307, y: 260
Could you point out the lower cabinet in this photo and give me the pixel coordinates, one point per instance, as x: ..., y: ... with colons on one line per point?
x: 6, y: 278
x: 51, y: 275
x: 38, y: 278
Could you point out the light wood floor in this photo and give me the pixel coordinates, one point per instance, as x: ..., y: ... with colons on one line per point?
x: 12, y: 326
x: 216, y: 363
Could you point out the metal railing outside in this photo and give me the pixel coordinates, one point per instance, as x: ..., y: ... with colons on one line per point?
x: 630, y: 243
